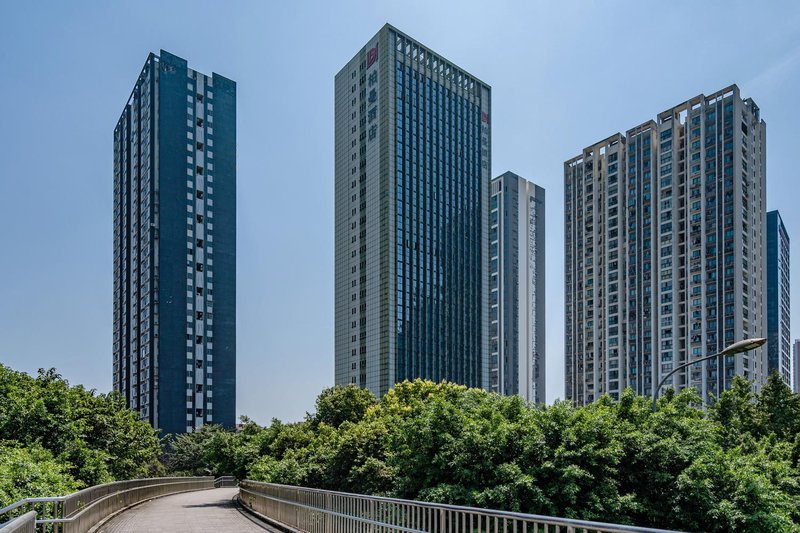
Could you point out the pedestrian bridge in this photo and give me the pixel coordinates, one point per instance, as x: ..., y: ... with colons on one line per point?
x: 205, y: 504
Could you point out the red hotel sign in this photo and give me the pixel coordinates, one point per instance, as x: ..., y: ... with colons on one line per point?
x: 372, y: 56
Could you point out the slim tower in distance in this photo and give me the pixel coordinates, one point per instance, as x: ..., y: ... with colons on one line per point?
x: 779, y: 347
x: 517, y: 285
x: 174, y: 346
x: 796, y: 364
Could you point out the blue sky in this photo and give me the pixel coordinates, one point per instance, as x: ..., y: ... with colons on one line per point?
x: 563, y: 74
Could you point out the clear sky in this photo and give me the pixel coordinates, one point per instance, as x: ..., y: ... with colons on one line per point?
x: 564, y: 74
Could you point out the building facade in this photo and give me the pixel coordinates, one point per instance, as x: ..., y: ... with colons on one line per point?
x: 517, y: 288
x: 665, y: 251
x: 796, y: 364
x: 174, y: 344
x: 412, y: 195
x: 779, y: 340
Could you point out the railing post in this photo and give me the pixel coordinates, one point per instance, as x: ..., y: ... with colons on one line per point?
x: 372, y: 515
x: 328, y: 523
x: 296, y: 508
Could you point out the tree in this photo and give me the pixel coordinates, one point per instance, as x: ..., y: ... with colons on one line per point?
x: 208, y: 451
x: 731, y: 467
x: 339, y: 404
x: 94, y: 436
x: 778, y: 410
x: 736, y: 414
x: 30, y: 472
x: 737, y: 490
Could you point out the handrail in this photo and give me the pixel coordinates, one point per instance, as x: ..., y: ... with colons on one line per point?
x: 226, y: 481
x: 108, y: 505
x: 24, y: 501
x: 305, y: 509
x: 22, y: 524
x: 81, y: 510
x: 341, y: 515
x: 78, y: 500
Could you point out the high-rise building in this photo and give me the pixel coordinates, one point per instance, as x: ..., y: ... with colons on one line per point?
x: 779, y: 340
x: 175, y: 247
x: 412, y: 217
x: 796, y: 364
x: 665, y: 251
x: 517, y: 288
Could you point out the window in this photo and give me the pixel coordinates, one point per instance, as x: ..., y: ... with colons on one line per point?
x: 198, y: 363
x: 199, y: 97
x: 199, y: 315
x: 199, y: 145
x: 199, y: 170
x: 199, y: 219
x: 200, y: 243
x: 198, y: 339
x: 199, y: 194
x: 199, y: 121
x: 199, y: 291
x: 199, y: 267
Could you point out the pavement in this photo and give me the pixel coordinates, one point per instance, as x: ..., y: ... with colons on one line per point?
x: 202, y: 511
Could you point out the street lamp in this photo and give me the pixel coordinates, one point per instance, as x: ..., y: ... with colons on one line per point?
x: 736, y: 347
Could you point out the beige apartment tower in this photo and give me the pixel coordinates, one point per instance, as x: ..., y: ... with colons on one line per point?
x: 665, y: 260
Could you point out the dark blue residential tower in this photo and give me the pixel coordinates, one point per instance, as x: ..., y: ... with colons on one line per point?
x: 175, y: 247
x: 779, y: 339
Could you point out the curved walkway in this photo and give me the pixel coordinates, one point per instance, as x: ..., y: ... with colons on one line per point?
x: 213, y: 511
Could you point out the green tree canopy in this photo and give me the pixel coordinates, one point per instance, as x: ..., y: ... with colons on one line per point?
x: 31, y: 472
x: 337, y: 405
x: 730, y: 467
x: 94, y: 436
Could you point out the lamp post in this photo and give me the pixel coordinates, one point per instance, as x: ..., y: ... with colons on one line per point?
x: 736, y: 347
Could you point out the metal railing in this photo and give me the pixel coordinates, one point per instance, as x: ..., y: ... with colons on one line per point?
x: 22, y: 524
x: 79, y: 511
x: 320, y: 511
x: 226, y: 481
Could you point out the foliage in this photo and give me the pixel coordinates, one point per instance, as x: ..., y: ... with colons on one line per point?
x: 29, y: 472
x: 731, y: 466
x: 208, y: 451
x: 338, y: 405
x: 82, y: 438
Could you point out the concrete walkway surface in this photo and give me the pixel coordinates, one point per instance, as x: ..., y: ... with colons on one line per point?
x: 202, y: 511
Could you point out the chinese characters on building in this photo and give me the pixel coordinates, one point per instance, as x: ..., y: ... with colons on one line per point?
x: 372, y: 93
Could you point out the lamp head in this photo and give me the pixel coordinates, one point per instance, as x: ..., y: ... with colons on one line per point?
x: 743, y: 346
